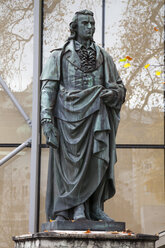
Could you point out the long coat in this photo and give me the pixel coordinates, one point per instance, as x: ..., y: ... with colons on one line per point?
x: 81, y: 170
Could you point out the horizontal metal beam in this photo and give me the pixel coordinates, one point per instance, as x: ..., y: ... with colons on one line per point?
x: 119, y: 146
x: 140, y: 146
x: 7, y: 145
x: 14, y: 100
x: 15, y: 151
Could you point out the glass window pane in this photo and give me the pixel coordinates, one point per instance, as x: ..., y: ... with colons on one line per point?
x: 14, y: 196
x: 13, y: 127
x: 16, y: 58
x: 135, y: 29
x: 139, y: 176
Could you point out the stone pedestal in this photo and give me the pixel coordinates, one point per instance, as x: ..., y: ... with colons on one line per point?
x: 80, y: 225
x: 82, y: 239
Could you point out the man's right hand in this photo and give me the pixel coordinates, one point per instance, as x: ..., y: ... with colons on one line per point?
x: 51, y: 134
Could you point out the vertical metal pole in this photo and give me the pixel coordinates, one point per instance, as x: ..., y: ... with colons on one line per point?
x: 103, y: 23
x: 164, y: 112
x: 33, y: 213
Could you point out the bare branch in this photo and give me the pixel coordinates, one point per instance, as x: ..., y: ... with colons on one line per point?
x: 51, y: 7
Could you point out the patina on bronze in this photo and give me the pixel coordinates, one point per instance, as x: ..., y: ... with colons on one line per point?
x: 81, y: 97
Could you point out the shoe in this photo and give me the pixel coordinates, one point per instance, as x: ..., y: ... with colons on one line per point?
x: 79, y: 212
x: 98, y: 214
x: 60, y: 218
x: 62, y: 215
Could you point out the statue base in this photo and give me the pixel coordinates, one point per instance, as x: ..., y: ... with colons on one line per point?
x: 81, y: 239
x: 83, y: 225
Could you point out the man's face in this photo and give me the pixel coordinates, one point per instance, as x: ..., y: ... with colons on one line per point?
x: 86, y: 27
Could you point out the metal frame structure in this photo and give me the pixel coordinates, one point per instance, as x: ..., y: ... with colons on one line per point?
x: 25, y: 116
x: 103, y: 23
x: 34, y: 175
x: 15, y: 151
x: 16, y: 103
x: 35, y: 124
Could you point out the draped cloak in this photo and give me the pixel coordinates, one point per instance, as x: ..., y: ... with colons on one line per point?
x: 81, y: 170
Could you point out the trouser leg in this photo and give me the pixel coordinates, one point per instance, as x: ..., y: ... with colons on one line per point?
x: 79, y: 212
x: 96, y: 208
x: 64, y: 214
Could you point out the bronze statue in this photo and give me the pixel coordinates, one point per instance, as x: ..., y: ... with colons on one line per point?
x: 81, y: 98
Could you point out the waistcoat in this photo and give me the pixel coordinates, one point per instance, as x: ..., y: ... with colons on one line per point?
x: 74, y: 78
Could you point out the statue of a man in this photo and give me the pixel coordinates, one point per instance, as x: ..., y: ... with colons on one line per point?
x: 81, y: 98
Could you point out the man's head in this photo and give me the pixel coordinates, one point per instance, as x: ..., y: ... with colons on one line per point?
x: 82, y: 25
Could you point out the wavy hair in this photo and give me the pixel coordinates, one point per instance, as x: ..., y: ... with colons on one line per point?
x: 73, y: 24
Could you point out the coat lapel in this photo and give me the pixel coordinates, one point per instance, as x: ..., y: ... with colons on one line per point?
x: 99, y: 56
x: 72, y: 56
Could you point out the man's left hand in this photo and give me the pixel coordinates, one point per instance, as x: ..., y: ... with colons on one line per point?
x: 107, y: 95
